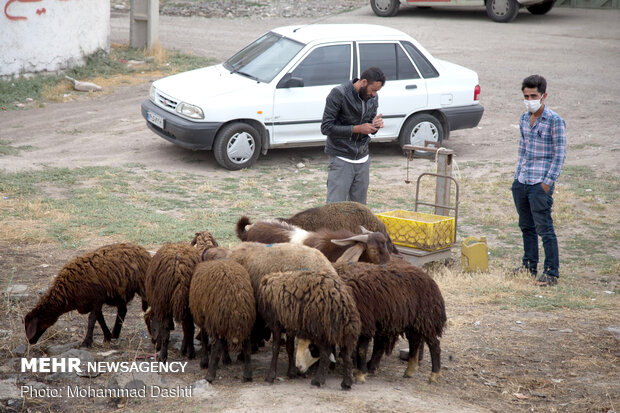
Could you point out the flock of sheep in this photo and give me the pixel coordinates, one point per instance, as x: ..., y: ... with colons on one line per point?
x: 328, y: 278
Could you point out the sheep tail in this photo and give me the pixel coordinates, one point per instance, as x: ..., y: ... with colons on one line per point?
x: 180, y: 301
x: 243, y: 222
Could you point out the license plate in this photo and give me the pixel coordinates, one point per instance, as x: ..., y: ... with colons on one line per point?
x: 155, y: 119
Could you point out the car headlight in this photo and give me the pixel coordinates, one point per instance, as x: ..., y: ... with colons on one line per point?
x: 152, y: 93
x: 190, y: 111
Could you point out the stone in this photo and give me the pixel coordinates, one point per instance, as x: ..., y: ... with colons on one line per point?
x: 20, y: 350
x: 8, y: 390
x: 61, y: 348
x: 17, y: 289
x: 615, y: 331
x: 202, y: 389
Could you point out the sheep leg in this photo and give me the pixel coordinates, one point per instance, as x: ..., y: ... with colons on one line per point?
x: 187, y: 347
x: 362, y: 354
x: 88, y: 340
x: 216, y: 354
x: 247, y: 362
x: 226, y: 360
x: 275, y: 349
x: 347, y: 363
x: 164, y: 338
x: 290, y: 350
x: 378, y: 348
x: 435, y: 350
x: 107, y: 336
x: 204, y: 340
x: 415, y: 344
x: 321, y: 372
x: 120, y: 318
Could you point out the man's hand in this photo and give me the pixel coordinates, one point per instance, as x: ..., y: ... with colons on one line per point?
x: 364, y: 128
x: 377, y: 122
x: 545, y: 187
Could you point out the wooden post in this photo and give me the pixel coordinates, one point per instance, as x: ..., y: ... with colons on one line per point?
x: 442, y: 193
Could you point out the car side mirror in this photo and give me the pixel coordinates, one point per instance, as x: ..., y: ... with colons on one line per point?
x: 289, y: 81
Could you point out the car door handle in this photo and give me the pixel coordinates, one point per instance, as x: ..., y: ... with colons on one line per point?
x: 411, y: 87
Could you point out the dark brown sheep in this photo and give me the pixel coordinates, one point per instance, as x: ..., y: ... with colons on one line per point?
x: 315, y: 307
x: 110, y: 275
x: 168, y: 281
x: 334, y: 244
x: 394, y: 299
x: 341, y: 215
x: 222, y: 304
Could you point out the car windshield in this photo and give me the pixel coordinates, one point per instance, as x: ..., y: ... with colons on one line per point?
x: 264, y: 58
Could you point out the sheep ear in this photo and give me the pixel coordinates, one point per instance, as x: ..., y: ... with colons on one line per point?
x: 352, y: 254
x: 31, y: 328
x: 364, y: 230
x: 351, y: 240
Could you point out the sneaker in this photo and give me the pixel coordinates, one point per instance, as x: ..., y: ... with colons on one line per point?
x: 546, y: 280
x: 518, y: 270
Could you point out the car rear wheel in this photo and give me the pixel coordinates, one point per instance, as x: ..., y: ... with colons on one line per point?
x: 237, y: 146
x: 421, y: 128
x: 541, y: 8
x: 385, y: 8
x: 502, y: 11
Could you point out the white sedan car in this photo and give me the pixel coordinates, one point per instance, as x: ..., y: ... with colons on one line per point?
x: 271, y: 94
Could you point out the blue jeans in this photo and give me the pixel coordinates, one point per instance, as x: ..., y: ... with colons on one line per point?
x: 534, y: 208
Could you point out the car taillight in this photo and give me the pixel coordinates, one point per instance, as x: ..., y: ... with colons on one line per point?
x: 477, y: 92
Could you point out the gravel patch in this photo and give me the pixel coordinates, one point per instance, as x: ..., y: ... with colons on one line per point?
x: 249, y: 9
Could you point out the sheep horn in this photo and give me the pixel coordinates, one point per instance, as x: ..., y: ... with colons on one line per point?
x: 364, y: 230
x: 352, y: 254
x: 351, y: 240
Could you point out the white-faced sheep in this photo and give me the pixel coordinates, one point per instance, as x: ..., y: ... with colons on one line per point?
x: 167, y: 288
x: 315, y: 307
x: 222, y: 303
x: 394, y: 299
x: 334, y: 244
x: 341, y: 215
x: 110, y: 275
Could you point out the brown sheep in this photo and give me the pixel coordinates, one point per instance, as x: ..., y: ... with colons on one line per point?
x: 394, y: 299
x: 110, y: 275
x: 367, y: 247
x: 315, y: 307
x: 341, y: 215
x: 168, y: 281
x: 222, y: 303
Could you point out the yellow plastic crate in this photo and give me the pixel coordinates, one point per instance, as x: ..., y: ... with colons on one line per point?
x: 419, y: 230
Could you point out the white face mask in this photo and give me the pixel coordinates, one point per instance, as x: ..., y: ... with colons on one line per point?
x: 532, y: 105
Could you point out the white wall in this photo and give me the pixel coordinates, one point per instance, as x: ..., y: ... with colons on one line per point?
x: 47, y: 35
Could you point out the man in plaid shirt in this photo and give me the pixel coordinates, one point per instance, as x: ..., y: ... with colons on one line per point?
x: 542, y: 150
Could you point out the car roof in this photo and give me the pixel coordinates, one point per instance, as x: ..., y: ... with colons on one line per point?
x: 336, y: 32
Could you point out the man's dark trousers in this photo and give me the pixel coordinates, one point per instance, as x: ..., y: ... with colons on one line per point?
x: 534, y: 208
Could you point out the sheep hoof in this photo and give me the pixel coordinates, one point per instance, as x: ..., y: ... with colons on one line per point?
x: 210, y: 379
x: 247, y: 379
x: 316, y: 383
x: 434, y: 378
x: 269, y: 378
x: 87, y: 343
x: 360, y: 377
x: 346, y: 384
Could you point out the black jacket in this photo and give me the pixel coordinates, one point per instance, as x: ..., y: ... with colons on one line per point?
x: 343, y: 109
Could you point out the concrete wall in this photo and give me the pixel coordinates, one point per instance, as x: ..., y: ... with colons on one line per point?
x: 47, y: 35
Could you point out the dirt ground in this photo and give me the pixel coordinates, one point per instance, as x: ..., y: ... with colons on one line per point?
x: 493, y: 359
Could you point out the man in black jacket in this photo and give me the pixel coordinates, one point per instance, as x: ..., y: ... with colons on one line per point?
x: 350, y: 115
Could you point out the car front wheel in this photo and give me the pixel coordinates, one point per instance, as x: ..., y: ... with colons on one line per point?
x: 237, y: 146
x: 385, y: 8
x: 421, y: 128
x: 541, y: 8
x: 502, y: 11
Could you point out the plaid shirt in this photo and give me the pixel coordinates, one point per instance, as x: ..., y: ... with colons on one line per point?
x: 542, y: 148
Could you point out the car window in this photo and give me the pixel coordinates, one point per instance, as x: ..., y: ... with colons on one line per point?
x: 426, y: 68
x: 390, y: 58
x: 326, y: 65
x: 265, y: 57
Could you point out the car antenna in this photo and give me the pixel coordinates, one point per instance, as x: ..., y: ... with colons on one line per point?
x: 310, y: 24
